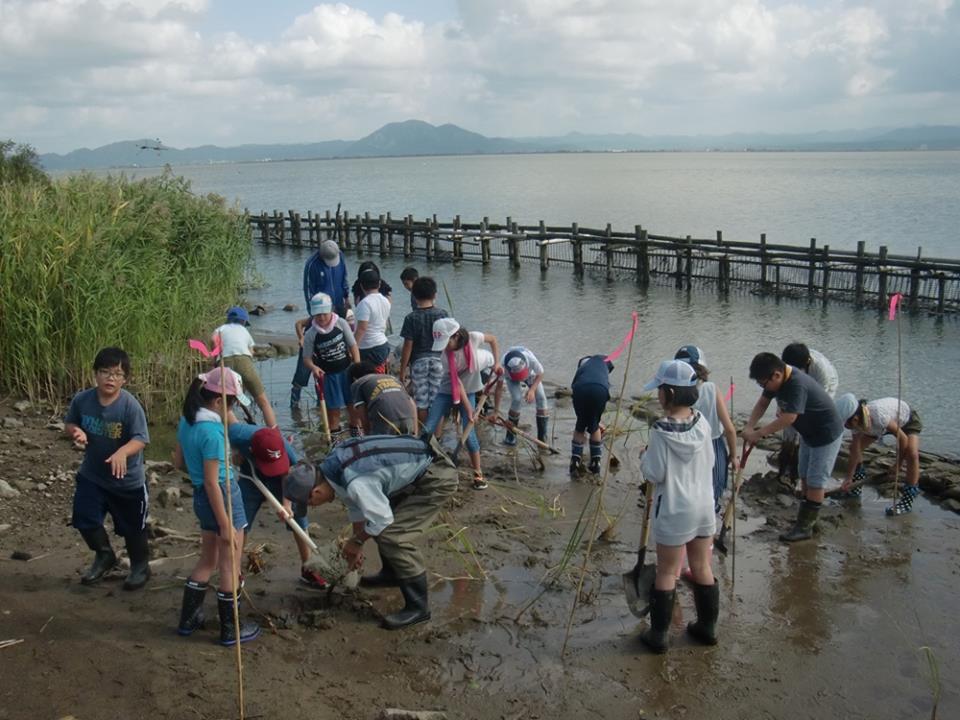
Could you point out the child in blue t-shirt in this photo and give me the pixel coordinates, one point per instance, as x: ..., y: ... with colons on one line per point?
x: 111, y: 425
x: 200, y: 450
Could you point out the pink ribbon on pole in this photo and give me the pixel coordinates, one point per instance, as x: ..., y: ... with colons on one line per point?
x: 626, y: 341
x: 729, y: 396
x: 201, y: 347
x: 894, y: 301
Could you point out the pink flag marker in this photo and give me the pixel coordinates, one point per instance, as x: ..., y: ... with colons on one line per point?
x: 626, y: 341
x: 730, y: 392
x: 894, y: 301
x: 201, y: 347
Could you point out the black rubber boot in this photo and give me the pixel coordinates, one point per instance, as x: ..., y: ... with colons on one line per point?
x: 138, y: 548
x: 191, y: 609
x: 249, y: 630
x: 511, y: 438
x: 415, y: 609
x: 105, y: 559
x: 542, y: 421
x: 806, y: 522
x: 576, y: 464
x: 385, y: 578
x: 706, y: 598
x: 661, y: 610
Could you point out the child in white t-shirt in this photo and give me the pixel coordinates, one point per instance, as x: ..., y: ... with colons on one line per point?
x: 238, y: 355
x: 373, y: 313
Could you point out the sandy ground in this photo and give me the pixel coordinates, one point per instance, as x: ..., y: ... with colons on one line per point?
x: 824, y: 629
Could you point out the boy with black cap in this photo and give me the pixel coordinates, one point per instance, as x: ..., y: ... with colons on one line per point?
x: 111, y: 426
x: 392, y: 495
x: 266, y: 452
x: 805, y: 406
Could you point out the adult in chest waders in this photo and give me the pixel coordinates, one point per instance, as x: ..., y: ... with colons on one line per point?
x: 393, y: 491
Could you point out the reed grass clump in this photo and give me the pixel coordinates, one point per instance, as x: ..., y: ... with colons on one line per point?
x: 87, y: 262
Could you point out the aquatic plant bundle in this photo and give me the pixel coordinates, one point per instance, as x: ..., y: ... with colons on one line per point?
x: 89, y: 262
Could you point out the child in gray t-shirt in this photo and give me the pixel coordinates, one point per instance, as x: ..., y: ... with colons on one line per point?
x: 111, y: 425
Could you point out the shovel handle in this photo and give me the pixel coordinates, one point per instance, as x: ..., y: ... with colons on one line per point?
x: 645, y: 530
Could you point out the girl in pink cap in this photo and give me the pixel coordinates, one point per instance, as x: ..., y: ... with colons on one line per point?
x: 200, y: 450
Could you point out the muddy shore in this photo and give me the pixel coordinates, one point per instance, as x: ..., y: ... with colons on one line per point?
x: 825, y: 629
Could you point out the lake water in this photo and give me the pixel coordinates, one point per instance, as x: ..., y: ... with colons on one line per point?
x: 899, y: 199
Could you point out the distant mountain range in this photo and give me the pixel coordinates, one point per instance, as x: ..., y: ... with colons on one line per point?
x: 415, y: 137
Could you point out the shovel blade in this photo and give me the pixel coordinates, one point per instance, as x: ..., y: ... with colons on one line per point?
x: 637, y: 584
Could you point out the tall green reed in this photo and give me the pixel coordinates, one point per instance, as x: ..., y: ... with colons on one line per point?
x: 88, y: 262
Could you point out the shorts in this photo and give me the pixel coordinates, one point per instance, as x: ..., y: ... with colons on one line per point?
x: 426, y: 373
x: 204, y: 511
x: 243, y: 364
x: 336, y: 390
x: 92, y: 502
x: 913, y: 425
x: 589, y: 402
x: 376, y: 355
x: 441, y: 407
x: 253, y: 498
x: 816, y: 463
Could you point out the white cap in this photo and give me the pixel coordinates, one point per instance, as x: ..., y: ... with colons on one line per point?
x: 847, y: 405
x: 673, y: 372
x: 320, y: 304
x: 443, y: 330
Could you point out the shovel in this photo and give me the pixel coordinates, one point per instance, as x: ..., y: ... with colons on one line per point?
x: 638, y: 582
x: 730, y: 509
x: 323, y: 410
x: 507, y: 425
x: 481, y: 399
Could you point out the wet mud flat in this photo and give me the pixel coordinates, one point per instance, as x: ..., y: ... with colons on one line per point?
x: 833, y: 627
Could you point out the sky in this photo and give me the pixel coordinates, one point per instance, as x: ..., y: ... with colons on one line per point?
x: 84, y: 73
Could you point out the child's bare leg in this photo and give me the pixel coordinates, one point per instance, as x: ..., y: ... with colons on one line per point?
x: 698, y: 553
x: 333, y: 418
x: 230, y: 572
x: 263, y: 402
x: 668, y: 562
x: 910, y: 450
x: 209, y: 547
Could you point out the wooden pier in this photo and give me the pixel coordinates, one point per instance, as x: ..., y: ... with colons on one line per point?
x: 814, y: 272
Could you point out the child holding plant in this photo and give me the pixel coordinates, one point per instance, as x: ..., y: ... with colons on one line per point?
x: 200, y: 450
x: 679, y: 462
x: 111, y: 425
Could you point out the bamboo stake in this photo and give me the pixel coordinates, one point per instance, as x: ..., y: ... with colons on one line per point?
x: 896, y: 472
x: 597, y: 512
x: 233, y: 554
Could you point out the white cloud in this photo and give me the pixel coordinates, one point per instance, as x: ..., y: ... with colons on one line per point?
x: 85, y: 72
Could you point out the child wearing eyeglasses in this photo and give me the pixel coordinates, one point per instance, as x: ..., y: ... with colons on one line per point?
x: 110, y: 424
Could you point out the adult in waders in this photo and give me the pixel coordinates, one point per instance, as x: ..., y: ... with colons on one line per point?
x: 679, y: 462
x: 869, y: 421
x: 393, y: 492
x: 805, y: 406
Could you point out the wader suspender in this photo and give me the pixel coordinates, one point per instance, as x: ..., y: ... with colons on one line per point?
x: 413, y: 446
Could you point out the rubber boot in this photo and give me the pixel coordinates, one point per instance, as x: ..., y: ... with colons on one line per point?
x: 511, y: 438
x: 706, y: 598
x: 806, y: 522
x: 542, y: 421
x: 295, y: 391
x: 904, y: 501
x: 596, y: 453
x: 191, y: 609
x: 415, y: 609
x: 661, y: 610
x: 576, y: 464
x: 138, y: 549
x: 385, y: 578
x: 104, y: 560
x: 249, y: 630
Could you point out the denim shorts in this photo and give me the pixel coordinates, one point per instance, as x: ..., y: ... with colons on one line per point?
x: 204, y: 511
x: 816, y: 463
x: 336, y: 390
x: 253, y: 499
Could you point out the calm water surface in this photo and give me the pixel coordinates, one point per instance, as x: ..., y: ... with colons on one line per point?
x: 901, y: 199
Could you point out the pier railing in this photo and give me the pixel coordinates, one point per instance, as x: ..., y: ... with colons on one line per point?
x: 816, y: 272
